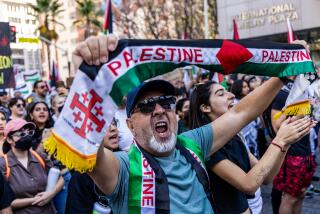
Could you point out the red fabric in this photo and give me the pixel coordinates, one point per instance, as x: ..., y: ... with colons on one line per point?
x: 231, y: 55
x: 298, y: 176
x: 235, y: 30
x: 290, y: 35
x: 107, y: 27
x: 220, y: 77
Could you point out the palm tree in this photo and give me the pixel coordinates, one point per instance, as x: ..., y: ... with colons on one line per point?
x: 88, y: 17
x: 55, y: 10
x: 42, y: 9
x: 47, y: 11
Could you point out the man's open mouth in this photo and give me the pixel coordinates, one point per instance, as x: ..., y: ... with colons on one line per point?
x: 161, y: 127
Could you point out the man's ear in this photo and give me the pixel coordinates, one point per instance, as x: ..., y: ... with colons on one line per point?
x: 130, y: 126
x: 205, y: 108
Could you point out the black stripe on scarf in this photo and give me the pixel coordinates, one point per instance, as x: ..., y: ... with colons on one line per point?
x: 92, y: 70
x: 162, y: 186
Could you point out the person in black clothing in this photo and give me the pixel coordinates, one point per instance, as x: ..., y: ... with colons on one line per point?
x: 296, y: 173
x: 6, y: 196
x: 234, y: 172
x: 82, y: 191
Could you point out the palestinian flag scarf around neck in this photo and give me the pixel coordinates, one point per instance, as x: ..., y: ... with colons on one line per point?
x: 97, y: 90
x: 148, y: 184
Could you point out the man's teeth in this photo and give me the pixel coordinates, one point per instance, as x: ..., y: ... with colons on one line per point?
x: 161, y: 124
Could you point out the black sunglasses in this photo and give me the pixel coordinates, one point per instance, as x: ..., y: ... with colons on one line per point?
x: 20, y: 105
x: 147, y: 106
x: 23, y: 133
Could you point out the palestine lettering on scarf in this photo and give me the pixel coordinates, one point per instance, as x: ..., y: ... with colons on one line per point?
x: 135, y: 61
x: 285, y: 55
x: 147, y: 54
x: 148, y: 184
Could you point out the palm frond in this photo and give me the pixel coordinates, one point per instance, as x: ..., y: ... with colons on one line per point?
x: 96, y: 23
x: 57, y: 22
x: 78, y: 22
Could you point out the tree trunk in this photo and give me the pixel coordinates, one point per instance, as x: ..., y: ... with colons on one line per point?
x: 87, y: 30
x: 86, y: 33
x: 55, y: 43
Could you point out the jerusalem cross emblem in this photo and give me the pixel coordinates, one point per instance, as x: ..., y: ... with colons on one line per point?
x: 87, y: 109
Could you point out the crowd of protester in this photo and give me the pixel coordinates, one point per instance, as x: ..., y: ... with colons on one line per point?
x: 235, y: 183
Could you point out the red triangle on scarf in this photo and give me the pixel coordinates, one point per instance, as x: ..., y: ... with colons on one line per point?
x: 231, y: 55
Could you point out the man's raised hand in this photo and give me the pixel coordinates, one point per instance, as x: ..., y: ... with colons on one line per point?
x: 94, y: 50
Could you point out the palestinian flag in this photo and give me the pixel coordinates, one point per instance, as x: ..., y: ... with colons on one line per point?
x: 138, y: 60
x: 290, y: 35
x: 107, y: 27
x: 23, y: 89
x: 235, y: 31
x: 54, y: 74
x: 97, y: 90
x: 31, y: 76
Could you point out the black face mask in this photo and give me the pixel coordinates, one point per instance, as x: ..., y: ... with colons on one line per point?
x: 60, y: 109
x: 24, y: 143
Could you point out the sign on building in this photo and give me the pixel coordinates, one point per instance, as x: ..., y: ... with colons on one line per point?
x: 264, y: 17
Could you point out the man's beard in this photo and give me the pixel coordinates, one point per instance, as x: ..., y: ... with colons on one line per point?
x: 163, y: 146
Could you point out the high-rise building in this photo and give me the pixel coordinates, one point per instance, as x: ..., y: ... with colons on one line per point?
x: 68, y: 38
x: 26, y: 51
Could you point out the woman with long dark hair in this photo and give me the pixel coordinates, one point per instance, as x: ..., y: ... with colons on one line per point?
x: 39, y: 113
x: 234, y: 172
x: 240, y: 89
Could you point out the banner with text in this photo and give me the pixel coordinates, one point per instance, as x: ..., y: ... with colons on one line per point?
x: 6, y: 64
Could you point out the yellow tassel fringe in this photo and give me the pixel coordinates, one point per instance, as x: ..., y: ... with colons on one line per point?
x: 68, y: 156
x: 301, y: 108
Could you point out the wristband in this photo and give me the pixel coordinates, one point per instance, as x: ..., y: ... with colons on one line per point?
x: 280, y: 147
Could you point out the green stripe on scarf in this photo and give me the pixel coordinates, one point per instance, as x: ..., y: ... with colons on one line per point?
x: 192, y: 145
x: 133, y: 77
x: 135, y: 171
x: 134, y: 194
x: 275, y: 69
